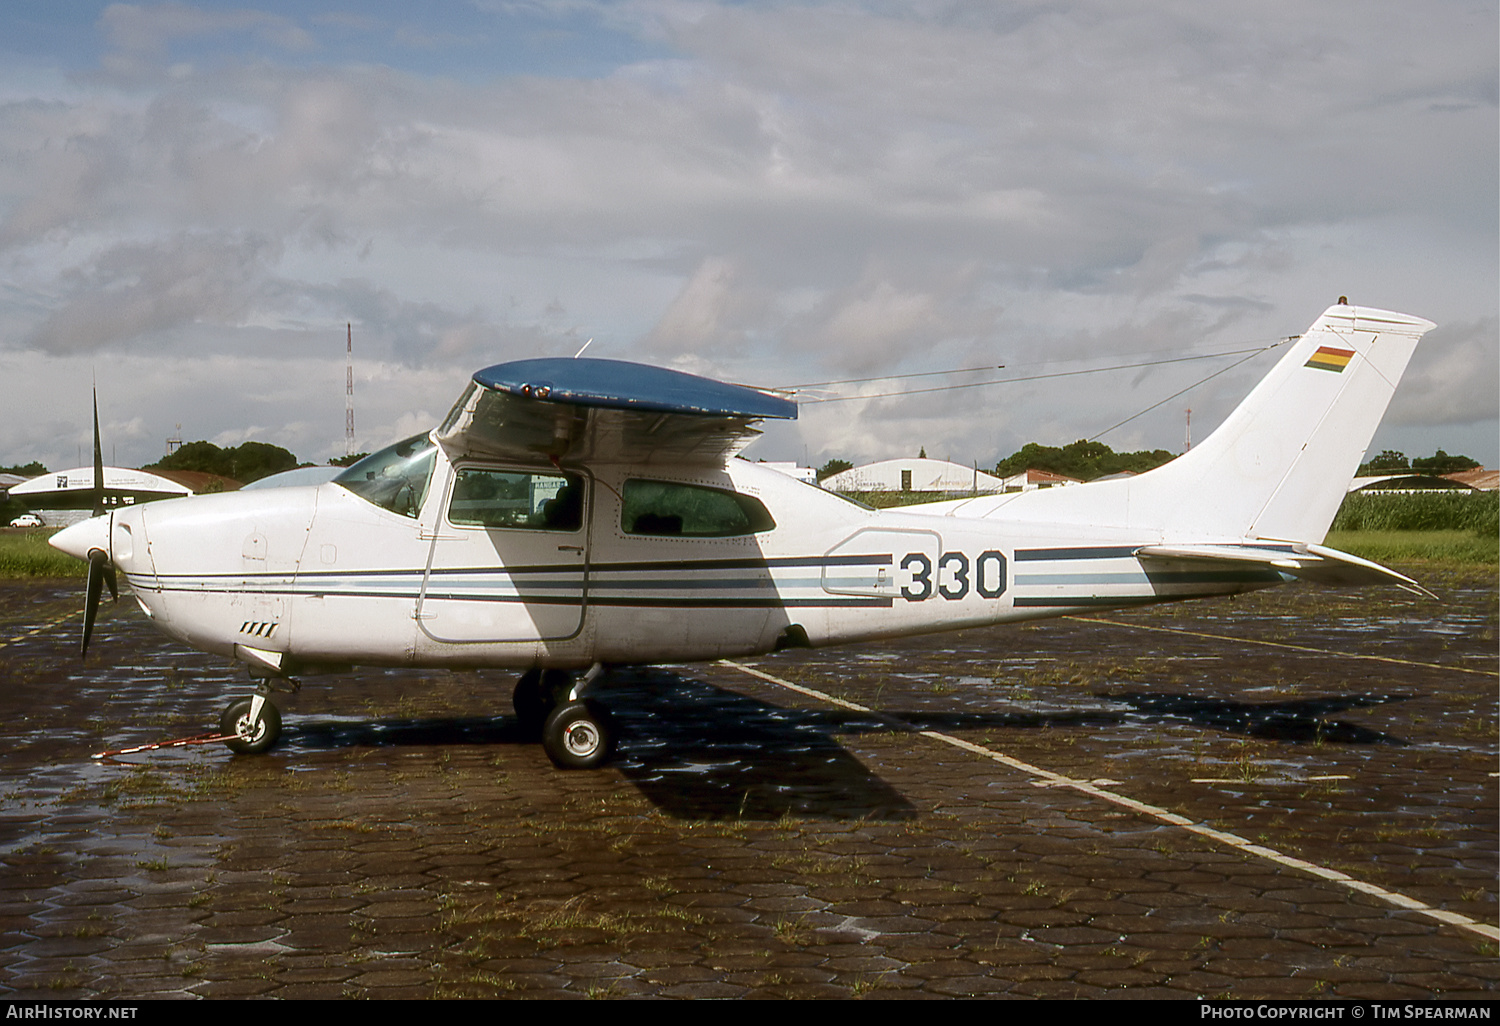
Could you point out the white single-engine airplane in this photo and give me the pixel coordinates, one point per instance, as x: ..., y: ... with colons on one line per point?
x: 573, y: 514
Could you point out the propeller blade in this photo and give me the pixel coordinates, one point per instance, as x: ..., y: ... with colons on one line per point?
x: 99, y: 506
x: 99, y: 570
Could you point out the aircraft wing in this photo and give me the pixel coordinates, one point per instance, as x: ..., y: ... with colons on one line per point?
x: 1316, y: 563
x: 604, y: 411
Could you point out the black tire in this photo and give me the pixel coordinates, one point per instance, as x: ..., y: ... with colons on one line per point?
x: 537, y: 693
x: 250, y: 738
x: 579, y: 735
x: 531, y: 708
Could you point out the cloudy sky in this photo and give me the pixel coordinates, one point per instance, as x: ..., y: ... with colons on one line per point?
x: 196, y: 198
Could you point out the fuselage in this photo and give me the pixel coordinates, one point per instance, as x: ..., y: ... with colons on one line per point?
x: 493, y: 564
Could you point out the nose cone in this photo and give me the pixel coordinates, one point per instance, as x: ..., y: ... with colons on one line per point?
x: 77, y: 540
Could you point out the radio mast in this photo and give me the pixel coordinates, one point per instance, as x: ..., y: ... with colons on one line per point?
x: 349, y: 390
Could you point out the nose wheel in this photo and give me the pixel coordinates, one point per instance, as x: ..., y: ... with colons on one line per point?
x: 253, y: 730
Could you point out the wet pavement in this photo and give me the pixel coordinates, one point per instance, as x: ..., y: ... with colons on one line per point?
x: 1229, y: 798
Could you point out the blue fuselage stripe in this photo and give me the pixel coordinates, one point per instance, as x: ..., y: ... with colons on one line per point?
x: 1078, y: 552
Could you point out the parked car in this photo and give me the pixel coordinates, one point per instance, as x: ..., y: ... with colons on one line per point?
x: 27, y: 520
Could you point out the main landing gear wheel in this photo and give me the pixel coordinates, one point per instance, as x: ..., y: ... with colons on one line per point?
x: 537, y: 693
x: 251, y: 737
x: 579, y: 735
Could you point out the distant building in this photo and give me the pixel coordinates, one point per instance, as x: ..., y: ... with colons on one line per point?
x: 67, y: 496
x: 790, y: 469
x: 1477, y: 480
x: 913, y: 475
x: 1030, y: 480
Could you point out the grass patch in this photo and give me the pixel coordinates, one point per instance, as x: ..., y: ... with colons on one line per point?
x: 555, y: 924
x: 1474, y: 512
x: 893, y: 499
x: 1454, y: 547
x: 27, y: 554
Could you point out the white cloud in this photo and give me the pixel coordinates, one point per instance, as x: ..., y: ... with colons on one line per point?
x: 801, y: 190
x: 133, y: 290
x: 1453, y: 377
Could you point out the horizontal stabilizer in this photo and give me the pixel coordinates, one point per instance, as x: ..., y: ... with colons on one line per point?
x: 1316, y: 563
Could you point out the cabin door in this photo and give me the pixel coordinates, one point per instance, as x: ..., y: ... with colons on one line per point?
x: 509, y: 557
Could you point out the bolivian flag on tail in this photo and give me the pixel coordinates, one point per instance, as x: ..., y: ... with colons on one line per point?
x: 1330, y: 359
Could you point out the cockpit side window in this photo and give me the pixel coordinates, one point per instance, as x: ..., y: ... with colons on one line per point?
x: 517, y: 499
x: 690, y: 511
x: 395, y: 478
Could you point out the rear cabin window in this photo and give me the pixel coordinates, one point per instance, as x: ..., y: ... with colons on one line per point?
x: 517, y: 499
x: 665, y: 508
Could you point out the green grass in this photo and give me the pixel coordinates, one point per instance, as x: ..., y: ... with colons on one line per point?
x: 1442, y: 528
x: 27, y: 554
x: 1459, y: 548
x: 1475, y: 512
x: 892, y: 499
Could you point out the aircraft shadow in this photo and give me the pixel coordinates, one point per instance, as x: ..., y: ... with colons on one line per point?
x: 700, y: 752
x: 695, y: 751
x: 1298, y: 721
x: 467, y: 730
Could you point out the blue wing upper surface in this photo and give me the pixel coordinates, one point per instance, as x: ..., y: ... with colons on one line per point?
x: 606, y: 411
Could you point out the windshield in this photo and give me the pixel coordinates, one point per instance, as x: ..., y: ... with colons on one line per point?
x: 396, y: 477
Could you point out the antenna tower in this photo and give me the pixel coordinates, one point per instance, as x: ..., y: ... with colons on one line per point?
x: 349, y: 391
x: 1189, y: 443
x: 175, y: 442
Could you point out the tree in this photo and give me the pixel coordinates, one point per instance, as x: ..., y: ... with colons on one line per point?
x: 1441, y: 463
x: 244, y: 463
x: 1083, y: 459
x: 346, y: 461
x: 255, y: 460
x: 32, y: 469
x: 834, y: 467
x: 200, y: 456
x: 1387, y: 462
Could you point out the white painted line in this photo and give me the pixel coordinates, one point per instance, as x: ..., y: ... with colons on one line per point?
x: 37, y: 630
x: 1046, y: 778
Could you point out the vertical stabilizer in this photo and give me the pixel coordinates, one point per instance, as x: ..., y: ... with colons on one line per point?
x: 1280, y: 464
